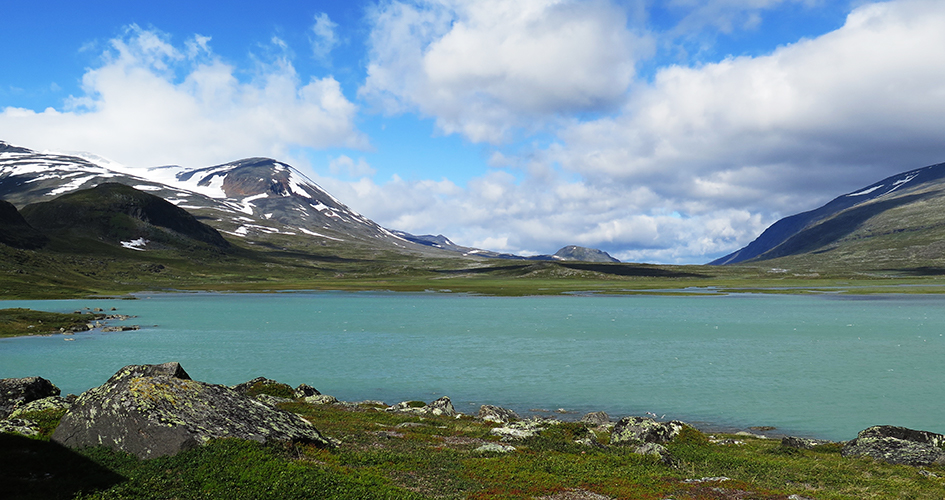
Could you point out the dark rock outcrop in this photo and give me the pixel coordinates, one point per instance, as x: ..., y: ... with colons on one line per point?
x: 803, y: 443
x: 156, y: 410
x: 497, y: 414
x: 15, y: 392
x: 897, y: 445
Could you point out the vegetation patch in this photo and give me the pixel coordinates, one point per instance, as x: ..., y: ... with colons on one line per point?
x: 18, y: 321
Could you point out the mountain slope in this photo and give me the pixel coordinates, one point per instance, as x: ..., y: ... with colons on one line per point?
x: 898, y: 221
x: 121, y: 215
x: 15, y: 231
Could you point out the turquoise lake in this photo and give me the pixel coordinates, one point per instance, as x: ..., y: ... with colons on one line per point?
x: 815, y: 365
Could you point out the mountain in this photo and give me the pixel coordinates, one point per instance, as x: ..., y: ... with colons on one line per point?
x: 121, y: 215
x: 569, y: 253
x: 572, y: 252
x: 259, y: 200
x: 898, y: 221
x: 16, y: 232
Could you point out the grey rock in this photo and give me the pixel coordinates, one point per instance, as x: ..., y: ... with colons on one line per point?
x: 495, y: 448
x: 597, y: 418
x: 20, y: 426
x: 156, y: 410
x: 304, y: 390
x: 50, y: 403
x: 271, y: 400
x: 523, y: 429
x: 15, y: 392
x: 897, y: 445
x: 320, y: 399
x: 440, y: 407
x: 645, y: 430
x: 655, y: 450
x: 246, y: 386
x: 497, y: 414
x: 802, y: 443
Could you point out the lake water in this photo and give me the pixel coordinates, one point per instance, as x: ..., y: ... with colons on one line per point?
x: 821, y: 366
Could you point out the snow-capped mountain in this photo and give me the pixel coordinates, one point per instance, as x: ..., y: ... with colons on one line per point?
x: 253, y: 198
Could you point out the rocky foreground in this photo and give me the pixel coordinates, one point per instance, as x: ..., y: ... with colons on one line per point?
x: 158, y: 410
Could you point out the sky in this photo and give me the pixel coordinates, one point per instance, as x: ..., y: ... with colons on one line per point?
x: 659, y: 131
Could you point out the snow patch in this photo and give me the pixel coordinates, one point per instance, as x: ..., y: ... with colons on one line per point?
x: 313, y: 233
x: 71, y: 186
x: 865, y: 191
x: 143, y: 187
x: 135, y: 244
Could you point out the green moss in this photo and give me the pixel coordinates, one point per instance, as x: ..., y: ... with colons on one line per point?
x: 272, y: 389
x: 47, y: 420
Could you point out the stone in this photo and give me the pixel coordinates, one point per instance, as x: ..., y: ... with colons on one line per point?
x: 522, y: 429
x: 654, y: 450
x: 20, y: 426
x: 645, y: 430
x: 304, y: 390
x: 50, y: 403
x: 597, y: 418
x: 802, y: 443
x: 440, y: 407
x: 497, y: 414
x: 15, y: 392
x: 320, y: 399
x: 157, y: 410
x: 246, y: 386
x: 495, y: 448
x: 897, y: 445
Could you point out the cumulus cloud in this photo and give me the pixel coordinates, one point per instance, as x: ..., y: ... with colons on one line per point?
x: 695, y: 163
x: 344, y: 165
x: 150, y: 102
x: 483, y: 69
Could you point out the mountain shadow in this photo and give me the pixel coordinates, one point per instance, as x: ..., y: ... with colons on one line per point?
x: 119, y: 214
x: 16, y: 232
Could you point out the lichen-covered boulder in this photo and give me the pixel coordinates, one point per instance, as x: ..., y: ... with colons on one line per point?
x: 15, y: 392
x: 523, y: 429
x: 803, y: 443
x: 54, y: 403
x: 597, y: 418
x: 440, y: 407
x: 497, y: 414
x: 304, y: 391
x: 645, y: 430
x: 20, y: 426
x: 897, y: 445
x: 156, y: 410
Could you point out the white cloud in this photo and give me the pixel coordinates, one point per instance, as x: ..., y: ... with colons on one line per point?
x: 344, y: 165
x: 699, y: 161
x: 486, y: 68
x: 151, y: 103
x: 324, y: 38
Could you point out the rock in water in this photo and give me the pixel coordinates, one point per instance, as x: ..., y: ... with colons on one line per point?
x: 897, y: 445
x: 15, y: 392
x: 156, y: 410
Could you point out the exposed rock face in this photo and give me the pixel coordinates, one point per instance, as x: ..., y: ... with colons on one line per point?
x: 156, y: 410
x: 497, y: 414
x: 15, y: 392
x: 897, y: 445
x: 646, y: 430
x: 304, y: 390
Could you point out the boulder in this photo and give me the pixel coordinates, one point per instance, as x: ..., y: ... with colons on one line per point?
x: 645, y: 430
x: 523, y: 429
x: 20, y: 426
x: 497, y: 414
x: 304, y: 390
x: 802, y: 443
x: 597, y: 418
x: 156, y: 410
x: 320, y: 399
x: 897, y: 445
x: 440, y: 407
x: 50, y: 403
x: 15, y: 392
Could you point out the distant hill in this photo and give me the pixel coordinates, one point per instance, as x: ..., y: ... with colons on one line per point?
x: 121, y: 215
x: 569, y: 253
x: 898, y: 222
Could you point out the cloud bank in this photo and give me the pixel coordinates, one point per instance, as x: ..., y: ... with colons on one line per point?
x: 152, y: 103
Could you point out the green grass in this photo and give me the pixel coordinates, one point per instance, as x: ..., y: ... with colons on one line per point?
x: 386, y: 455
x: 19, y: 322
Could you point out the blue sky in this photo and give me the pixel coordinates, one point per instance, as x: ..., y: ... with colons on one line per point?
x: 667, y: 132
